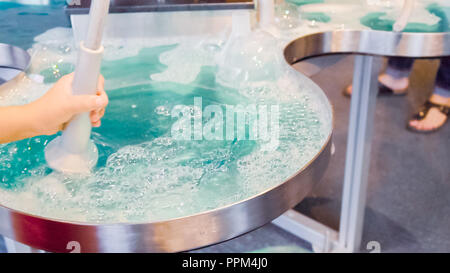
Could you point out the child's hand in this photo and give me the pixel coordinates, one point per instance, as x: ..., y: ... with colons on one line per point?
x: 58, y: 106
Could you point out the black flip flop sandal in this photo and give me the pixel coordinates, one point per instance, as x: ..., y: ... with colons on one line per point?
x: 423, y: 113
x: 383, y: 91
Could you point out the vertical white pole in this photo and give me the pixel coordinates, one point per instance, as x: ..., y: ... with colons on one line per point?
x: 362, y: 110
x: 74, y: 151
x: 403, y: 19
x: 240, y: 23
x: 266, y: 9
x: 16, y: 247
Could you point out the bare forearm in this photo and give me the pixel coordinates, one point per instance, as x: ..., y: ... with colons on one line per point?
x: 48, y: 114
x: 16, y: 123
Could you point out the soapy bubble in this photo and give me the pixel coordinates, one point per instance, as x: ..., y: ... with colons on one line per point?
x: 249, y: 59
x: 144, y: 174
x: 287, y: 16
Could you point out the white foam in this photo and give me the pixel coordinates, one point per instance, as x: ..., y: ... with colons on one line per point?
x: 152, y: 181
x: 186, y: 60
x: 419, y: 14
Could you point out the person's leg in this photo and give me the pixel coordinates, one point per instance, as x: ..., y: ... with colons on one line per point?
x: 396, y: 75
x: 442, y: 87
x: 434, y: 115
x: 399, y: 66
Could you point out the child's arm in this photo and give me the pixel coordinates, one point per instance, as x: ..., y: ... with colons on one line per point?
x: 51, y: 113
x: 15, y: 124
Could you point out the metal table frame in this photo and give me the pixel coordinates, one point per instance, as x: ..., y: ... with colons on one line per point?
x: 368, y: 44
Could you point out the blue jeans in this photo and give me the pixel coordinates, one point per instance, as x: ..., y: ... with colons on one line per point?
x: 400, y: 67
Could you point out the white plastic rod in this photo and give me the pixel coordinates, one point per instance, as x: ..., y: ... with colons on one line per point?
x: 240, y: 23
x: 76, y: 136
x: 402, y: 21
x: 97, y: 17
x: 266, y: 9
x: 74, y: 152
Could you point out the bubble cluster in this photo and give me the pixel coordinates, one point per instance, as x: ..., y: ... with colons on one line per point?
x: 144, y: 174
x: 287, y: 16
x: 253, y: 58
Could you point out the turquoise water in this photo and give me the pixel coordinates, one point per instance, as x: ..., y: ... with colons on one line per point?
x: 304, y: 2
x: 19, y: 24
x: 375, y: 21
x: 317, y: 16
x: 143, y: 173
x: 428, y: 15
x: 129, y: 119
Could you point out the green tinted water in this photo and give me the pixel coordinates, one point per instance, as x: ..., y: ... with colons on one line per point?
x: 143, y: 173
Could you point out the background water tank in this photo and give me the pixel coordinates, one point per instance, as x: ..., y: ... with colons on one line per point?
x: 13, y: 61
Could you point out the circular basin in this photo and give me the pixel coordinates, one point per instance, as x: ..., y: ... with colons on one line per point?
x: 180, y: 232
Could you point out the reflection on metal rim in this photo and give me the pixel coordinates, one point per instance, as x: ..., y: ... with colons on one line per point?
x: 14, y: 57
x: 13, y: 61
x: 369, y: 42
x: 127, y: 6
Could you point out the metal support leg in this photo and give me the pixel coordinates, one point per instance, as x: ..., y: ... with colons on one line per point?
x: 362, y: 109
x: 321, y: 237
x: 16, y: 247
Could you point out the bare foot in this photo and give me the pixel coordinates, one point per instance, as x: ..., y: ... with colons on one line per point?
x: 434, y: 118
x: 399, y: 86
x: 348, y: 90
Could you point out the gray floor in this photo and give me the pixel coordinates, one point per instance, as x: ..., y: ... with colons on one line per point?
x: 408, y: 200
x: 409, y: 185
x: 409, y: 181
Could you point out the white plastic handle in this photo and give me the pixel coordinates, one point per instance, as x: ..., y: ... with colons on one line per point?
x: 266, y: 9
x: 403, y: 19
x: 74, y: 152
x: 76, y: 136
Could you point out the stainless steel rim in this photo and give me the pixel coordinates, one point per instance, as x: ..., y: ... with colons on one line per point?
x: 127, y: 6
x: 369, y: 42
x: 13, y: 58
